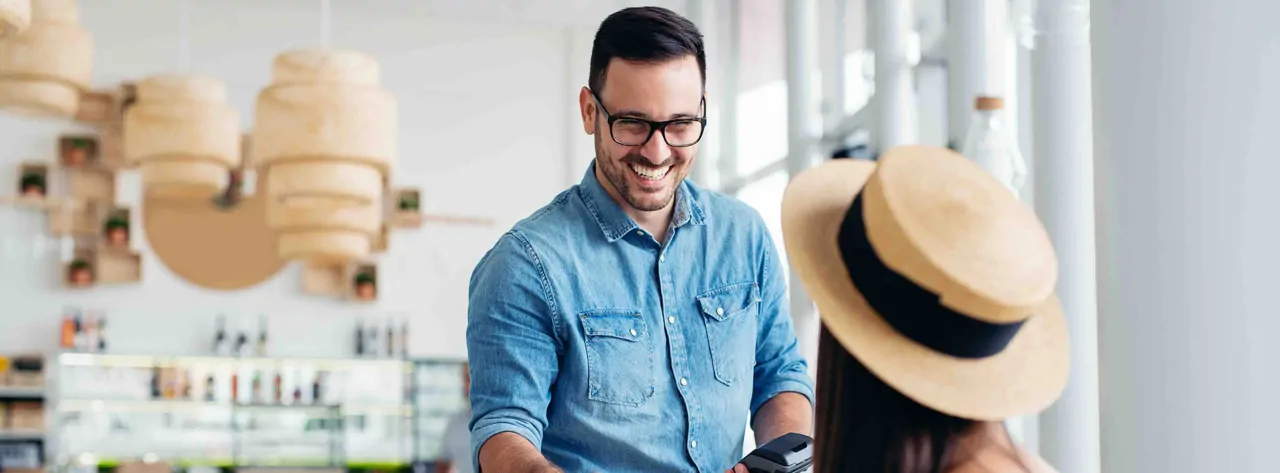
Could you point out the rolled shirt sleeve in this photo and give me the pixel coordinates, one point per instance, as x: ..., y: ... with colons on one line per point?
x: 780, y: 366
x: 512, y: 344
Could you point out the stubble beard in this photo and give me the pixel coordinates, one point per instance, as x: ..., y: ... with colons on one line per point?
x: 615, y: 170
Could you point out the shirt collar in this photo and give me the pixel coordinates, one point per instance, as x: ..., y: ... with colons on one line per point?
x: 615, y: 223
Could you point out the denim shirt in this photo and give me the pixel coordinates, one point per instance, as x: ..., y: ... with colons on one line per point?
x: 611, y: 352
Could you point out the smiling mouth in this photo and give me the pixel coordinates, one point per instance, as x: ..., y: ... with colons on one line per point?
x: 650, y: 173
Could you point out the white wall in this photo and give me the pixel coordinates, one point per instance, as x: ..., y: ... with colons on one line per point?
x: 486, y: 92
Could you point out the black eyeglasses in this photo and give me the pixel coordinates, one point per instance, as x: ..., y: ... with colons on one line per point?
x: 678, y: 133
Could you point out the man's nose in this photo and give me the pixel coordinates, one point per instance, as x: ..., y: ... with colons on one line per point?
x: 656, y: 150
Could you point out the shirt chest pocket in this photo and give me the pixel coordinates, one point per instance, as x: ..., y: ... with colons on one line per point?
x: 730, y: 314
x: 619, y: 356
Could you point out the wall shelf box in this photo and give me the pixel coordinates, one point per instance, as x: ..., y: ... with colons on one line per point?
x: 92, y: 184
x: 81, y: 271
x: 89, y: 268
x: 117, y: 231
x: 406, y: 209
x: 79, y: 151
x: 119, y: 267
x: 33, y: 182
x: 363, y: 283
x: 71, y: 217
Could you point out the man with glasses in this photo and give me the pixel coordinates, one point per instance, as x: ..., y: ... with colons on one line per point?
x: 637, y: 322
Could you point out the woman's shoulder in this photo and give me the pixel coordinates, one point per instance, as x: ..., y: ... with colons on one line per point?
x: 1000, y: 461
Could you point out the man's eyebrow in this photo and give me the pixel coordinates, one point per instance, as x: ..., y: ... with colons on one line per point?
x: 638, y: 114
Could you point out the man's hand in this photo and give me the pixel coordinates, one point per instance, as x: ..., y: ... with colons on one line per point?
x: 786, y: 413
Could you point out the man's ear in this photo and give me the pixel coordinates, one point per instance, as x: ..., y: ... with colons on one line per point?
x: 587, y: 106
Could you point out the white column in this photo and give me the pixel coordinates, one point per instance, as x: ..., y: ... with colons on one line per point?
x: 890, y: 23
x: 1069, y: 436
x: 834, y: 39
x: 1025, y: 428
x: 802, y: 135
x: 1188, y: 111
x: 727, y: 162
x: 701, y: 13
x: 976, y: 31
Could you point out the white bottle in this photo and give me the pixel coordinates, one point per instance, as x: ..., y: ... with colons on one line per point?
x: 989, y: 144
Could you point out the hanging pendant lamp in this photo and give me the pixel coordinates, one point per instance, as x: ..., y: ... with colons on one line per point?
x: 182, y: 135
x: 322, y: 234
x: 325, y: 130
x: 15, y: 17
x: 44, y: 70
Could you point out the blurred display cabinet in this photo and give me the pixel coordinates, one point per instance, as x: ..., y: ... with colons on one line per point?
x: 439, y: 394
x: 227, y: 411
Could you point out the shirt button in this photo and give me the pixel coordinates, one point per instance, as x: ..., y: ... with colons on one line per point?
x: 693, y: 444
x: 671, y: 319
x: 662, y: 258
x: 684, y: 382
x: 633, y: 332
x: 640, y: 232
x: 719, y: 311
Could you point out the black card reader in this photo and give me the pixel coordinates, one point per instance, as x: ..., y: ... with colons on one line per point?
x: 790, y: 453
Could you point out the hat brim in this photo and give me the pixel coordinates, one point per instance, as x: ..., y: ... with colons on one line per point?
x: 1026, y: 377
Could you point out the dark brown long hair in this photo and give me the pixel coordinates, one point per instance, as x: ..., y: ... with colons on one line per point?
x: 865, y: 426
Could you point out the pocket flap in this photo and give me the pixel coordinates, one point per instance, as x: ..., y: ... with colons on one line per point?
x: 623, y: 324
x: 722, y: 303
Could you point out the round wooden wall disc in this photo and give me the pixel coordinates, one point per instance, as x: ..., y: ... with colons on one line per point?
x: 210, y: 246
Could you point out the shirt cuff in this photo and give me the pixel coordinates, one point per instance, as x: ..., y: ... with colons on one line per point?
x: 775, y: 388
x: 485, y: 429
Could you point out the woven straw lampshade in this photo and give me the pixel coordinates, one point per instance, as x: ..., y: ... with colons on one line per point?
x: 15, y: 17
x: 182, y: 135
x: 325, y: 130
x: 323, y: 234
x: 44, y: 69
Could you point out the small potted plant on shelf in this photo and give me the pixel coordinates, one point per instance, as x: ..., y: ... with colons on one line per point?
x: 33, y: 185
x: 80, y: 273
x: 78, y: 151
x: 116, y: 229
x: 366, y: 286
x: 409, y: 202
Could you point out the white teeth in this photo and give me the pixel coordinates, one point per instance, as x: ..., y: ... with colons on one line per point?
x: 650, y: 172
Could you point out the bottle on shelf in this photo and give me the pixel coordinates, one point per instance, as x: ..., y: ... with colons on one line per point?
x: 404, y: 338
x: 279, y: 388
x: 156, y: 391
x: 262, y: 335
x: 208, y: 388
x: 78, y: 343
x: 359, y: 338
x: 221, y: 345
x: 68, y: 338
x: 392, y: 339
x: 242, y: 343
x: 102, y: 334
x: 989, y: 144
x: 317, y: 386
x: 297, y: 389
x: 257, y: 387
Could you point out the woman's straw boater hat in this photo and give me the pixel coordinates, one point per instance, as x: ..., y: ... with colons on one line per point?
x: 933, y: 275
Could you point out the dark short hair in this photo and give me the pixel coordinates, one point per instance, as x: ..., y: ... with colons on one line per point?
x: 645, y: 35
